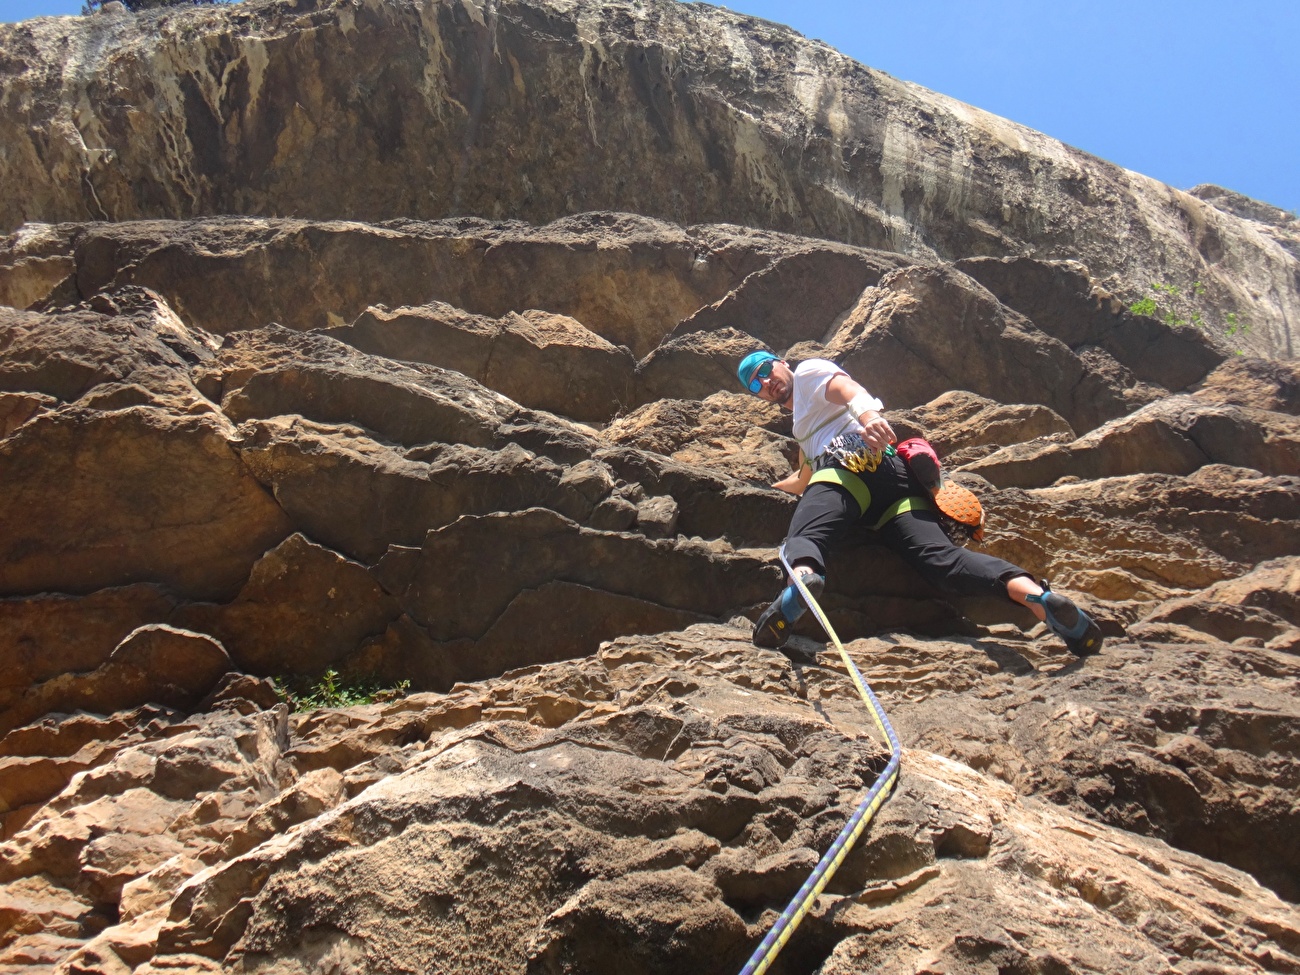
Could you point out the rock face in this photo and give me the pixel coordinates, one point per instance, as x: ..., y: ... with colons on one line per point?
x: 536, y: 109
x: 222, y: 497
x: 651, y: 808
x: 506, y: 468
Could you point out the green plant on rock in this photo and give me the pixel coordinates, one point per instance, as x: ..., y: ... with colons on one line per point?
x: 1167, y: 303
x: 331, y: 690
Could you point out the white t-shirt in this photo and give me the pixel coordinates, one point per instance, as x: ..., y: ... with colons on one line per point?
x: 817, y: 421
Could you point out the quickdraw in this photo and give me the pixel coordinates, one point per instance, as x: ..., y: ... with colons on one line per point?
x: 802, y: 901
x: 850, y: 452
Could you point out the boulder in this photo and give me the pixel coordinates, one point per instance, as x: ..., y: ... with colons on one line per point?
x: 1177, y: 435
x: 302, y: 610
x: 545, y: 361
x: 657, y: 517
x: 155, y: 663
x: 890, y: 343
x: 143, y: 495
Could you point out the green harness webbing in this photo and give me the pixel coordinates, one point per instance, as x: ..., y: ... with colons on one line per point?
x: 862, y: 494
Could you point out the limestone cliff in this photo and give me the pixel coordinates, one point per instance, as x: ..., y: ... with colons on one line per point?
x: 537, y: 109
x: 368, y: 422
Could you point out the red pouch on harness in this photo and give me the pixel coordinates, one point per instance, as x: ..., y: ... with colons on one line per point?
x: 963, y: 516
x: 921, y: 460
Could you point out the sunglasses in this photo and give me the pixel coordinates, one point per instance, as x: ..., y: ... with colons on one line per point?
x: 763, y: 371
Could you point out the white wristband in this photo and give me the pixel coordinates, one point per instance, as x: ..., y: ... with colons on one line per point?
x: 863, y: 403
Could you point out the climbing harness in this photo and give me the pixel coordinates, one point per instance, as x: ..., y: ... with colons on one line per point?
x: 961, y: 516
x: 845, y: 418
x: 800, y: 904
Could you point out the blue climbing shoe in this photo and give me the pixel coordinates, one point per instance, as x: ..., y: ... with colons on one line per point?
x: 1080, y: 631
x: 773, y: 628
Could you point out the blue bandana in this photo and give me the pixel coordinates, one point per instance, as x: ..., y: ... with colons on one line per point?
x: 748, y: 369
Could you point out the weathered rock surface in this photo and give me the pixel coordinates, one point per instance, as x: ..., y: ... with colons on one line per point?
x: 364, y: 497
x: 890, y: 336
x: 107, y: 498
x: 1177, y: 435
x: 1266, y: 384
x: 506, y: 466
x: 964, y: 427
x: 631, y: 279
x: 547, y: 361
x: 1260, y: 608
x: 653, y: 806
x: 51, y: 634
x: 1209, y: 527
x: 1061, y: 298
x: 154, y: 663
x: 303, y: 609
x: 536, y: 110
x: 129, y: 348
x: 730, y: 432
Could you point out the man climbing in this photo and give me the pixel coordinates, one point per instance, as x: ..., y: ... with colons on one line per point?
x: 847, y: 474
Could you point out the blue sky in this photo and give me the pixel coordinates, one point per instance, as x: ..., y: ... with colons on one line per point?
x: 1190, y: 92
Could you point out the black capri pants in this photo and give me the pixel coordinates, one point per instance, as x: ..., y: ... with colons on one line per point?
x: 828, y: 515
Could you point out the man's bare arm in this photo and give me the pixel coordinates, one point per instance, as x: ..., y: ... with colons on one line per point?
x: 797, y: 482
x: 876, y: 431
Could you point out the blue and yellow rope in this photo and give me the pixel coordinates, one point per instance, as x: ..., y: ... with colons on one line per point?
x: 800, y: 904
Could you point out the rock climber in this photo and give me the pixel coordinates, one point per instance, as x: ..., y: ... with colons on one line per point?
x: 849, y: 473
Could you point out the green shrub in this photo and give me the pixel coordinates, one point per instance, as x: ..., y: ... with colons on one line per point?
x: 1167, y: 303
x: 333, y: 691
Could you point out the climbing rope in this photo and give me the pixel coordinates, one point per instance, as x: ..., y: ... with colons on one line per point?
x: 799, y: 905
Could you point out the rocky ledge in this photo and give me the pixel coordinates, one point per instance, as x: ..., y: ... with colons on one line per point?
x: 508, y: 464
x: 538, y: 109
x: 650, y: 808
